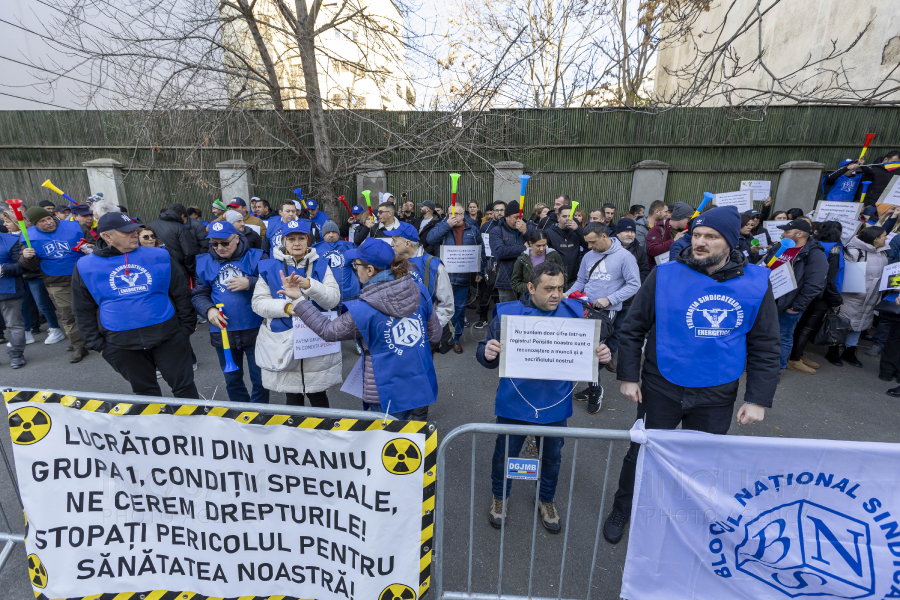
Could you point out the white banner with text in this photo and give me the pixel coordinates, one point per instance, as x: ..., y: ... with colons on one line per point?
x: 124, y: 497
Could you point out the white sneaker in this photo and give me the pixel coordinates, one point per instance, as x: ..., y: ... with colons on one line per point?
x: 56, y: 335
x: 29, y: 339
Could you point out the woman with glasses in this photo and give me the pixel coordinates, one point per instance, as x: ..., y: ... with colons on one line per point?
x: 147, y: 237
x: 295, y: 276
x: 394, y: 318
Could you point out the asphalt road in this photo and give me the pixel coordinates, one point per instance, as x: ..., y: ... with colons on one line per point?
x: 838, y: 403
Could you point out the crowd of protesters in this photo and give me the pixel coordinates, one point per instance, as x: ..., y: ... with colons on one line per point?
x: 135, y: 293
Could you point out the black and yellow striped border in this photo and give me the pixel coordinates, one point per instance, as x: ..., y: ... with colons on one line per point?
x: 258, y: 418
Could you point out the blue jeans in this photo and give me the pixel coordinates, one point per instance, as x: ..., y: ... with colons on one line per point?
x: 34, y: 288
x: 787, y: 323
x: 234, y: 381
x: 550, y: 460
x: 460, y: 297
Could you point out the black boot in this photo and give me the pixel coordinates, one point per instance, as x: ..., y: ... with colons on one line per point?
x: 849, y: 355
x: 895, y: 392
x: 834, y: 356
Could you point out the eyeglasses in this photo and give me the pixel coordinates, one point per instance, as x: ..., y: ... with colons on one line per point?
x: 356, y: 265
x: 217, y: 244
x: 148, y: 237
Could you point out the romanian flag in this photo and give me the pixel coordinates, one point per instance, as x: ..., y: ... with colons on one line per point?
x: 892, y: 166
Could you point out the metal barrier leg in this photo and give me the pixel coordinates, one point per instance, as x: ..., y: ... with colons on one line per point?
x: 471, y: 518
x: 599, y: 520
x: 537, y: 498
x: 562, y: 567
x: 504, y: 514
x: 12, y: 475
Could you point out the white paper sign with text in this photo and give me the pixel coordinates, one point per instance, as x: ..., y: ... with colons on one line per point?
x: 892, y: 194
x: 743, y: 200
x: 782, y: 280
x: 307, y: 344
x: 461, y: 259
x: 845, y: 213
x: 549, y: 348
x: 222, y: 505
x: 775, y: 234
x: 761, y: 189
x: 890, y: 277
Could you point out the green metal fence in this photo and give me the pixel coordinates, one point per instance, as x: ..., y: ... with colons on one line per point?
x: 586, y: 154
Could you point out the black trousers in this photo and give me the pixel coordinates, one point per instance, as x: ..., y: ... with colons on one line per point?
x: 316, y: 399
x: 890, y: 355
x: 807, y: 326
x: 172, y: 358
x: 483, y: 300
x: 664, y: 413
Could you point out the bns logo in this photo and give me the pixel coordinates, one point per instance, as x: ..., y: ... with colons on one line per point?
x: 227, y: 272
x: 407, y: 332
x: 335, y: 259
x: 56, y: 249
x: 820, y: 553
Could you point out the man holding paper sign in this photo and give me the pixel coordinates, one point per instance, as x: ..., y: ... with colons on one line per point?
x: 529, y: 401
x: 706, y: 316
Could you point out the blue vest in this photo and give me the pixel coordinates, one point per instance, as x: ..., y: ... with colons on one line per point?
x: 333, y: 253
x: 321, y: 219
x: 551, y: 400
x: 702, y: 324
x: 844, y: 189
x: 270, y: 270
x: 131, y: 295
x: 7, y: 282
x: 273, y: 232
x: 421, y: 266
x: 839, y: 280
x: 55, y: 249
x: 401, y: 354
x: 237, y: 304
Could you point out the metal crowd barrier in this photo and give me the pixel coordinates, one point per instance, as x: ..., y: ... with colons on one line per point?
x: 440, y: 593
x: 11, y: 539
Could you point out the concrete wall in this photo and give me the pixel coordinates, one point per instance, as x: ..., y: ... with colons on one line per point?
x: 793, y: 32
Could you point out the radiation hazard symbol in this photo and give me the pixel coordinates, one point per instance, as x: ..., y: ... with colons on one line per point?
x: 401, y: 457
x: 36, y: 571
x: 28, y: 425
x: 397, y: 591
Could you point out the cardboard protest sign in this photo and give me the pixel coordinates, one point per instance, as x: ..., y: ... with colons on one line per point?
x: 845, y: 213
x: 549, y: 348
x: 783, y: 280
x: 307, y: 344
x: 461, y: 259
x: 122, y: 497
x: 742, y: 201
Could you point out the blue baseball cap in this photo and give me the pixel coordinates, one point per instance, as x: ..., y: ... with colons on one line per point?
x: 82, y: 210
x: 312, y: 205
x: 220, y: 230
x: 297, y: 226
x: 117, y: 221
x: 376, y: 252
x: 404, y: 230
x: 356, y: 209
x: 845, y: 162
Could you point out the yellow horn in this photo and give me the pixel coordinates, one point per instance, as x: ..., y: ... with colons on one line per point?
x: 47, y: 184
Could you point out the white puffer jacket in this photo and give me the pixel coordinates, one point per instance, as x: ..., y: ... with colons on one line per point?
x: 311, y: 374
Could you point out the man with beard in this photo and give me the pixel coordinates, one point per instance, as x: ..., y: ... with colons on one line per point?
x: 706, y: 315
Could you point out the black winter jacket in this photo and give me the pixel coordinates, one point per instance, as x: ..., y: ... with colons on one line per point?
x: 640, y: 255
x: 201, y: 298
x: 199, y: 231
x: 141, y: 338
x: 178, y: 239
x: 763, y: 347
x: 506, y: 246
x: 569, y: 243
x: 810, y: 271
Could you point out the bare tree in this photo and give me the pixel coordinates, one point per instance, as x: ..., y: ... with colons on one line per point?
x: 242, y: 63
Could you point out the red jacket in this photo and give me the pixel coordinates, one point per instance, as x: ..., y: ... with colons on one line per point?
x: 659, y: 240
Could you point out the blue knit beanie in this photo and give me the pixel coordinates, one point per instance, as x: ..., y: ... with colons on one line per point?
x: 724, y: 219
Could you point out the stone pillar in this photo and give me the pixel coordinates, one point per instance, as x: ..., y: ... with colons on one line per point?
x: 507, y: 185
x: 105, y: 176
x: 236, y: 179
x: 374, y: 179
x: 648, y: 182
x: 798, y: 185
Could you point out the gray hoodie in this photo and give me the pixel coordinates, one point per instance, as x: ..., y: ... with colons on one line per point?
x: 397, y: 298
x: 616, y: 278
